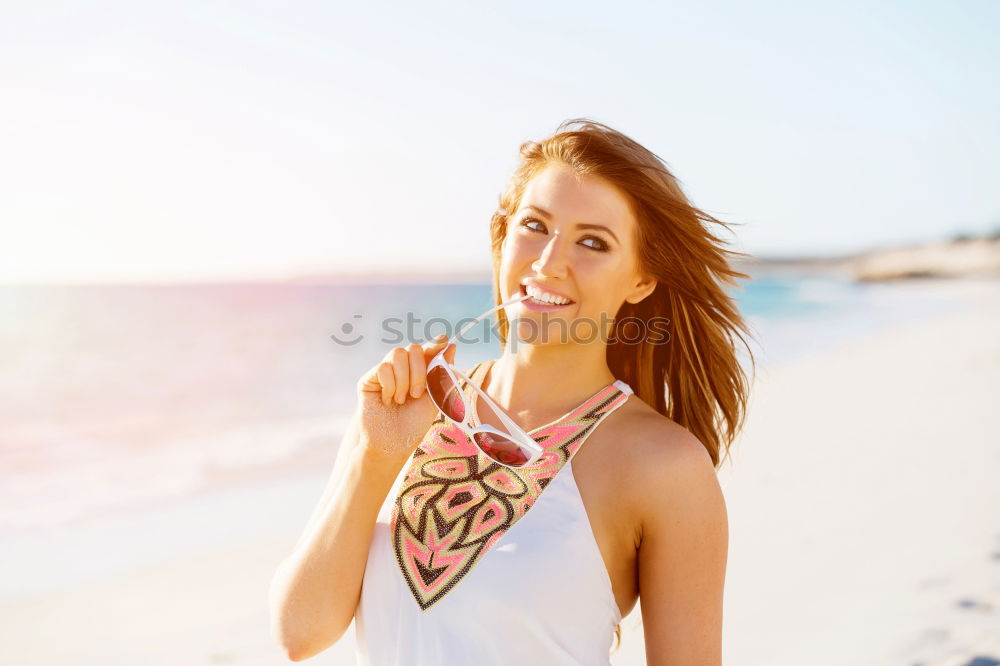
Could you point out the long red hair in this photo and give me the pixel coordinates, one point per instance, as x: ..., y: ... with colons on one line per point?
x: 695, y: 378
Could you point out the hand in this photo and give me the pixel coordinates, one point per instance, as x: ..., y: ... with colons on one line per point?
x: 396, y: 411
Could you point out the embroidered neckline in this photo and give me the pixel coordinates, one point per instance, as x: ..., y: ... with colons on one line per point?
x: 473, y: 399
x: 455, y: 503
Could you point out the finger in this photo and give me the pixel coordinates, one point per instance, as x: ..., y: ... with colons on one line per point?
x: 449, y: 354
x: 432, y: 348
x: 370, y: 382
x: 401, y: 370
x: 418, y: 370
x: 436, y: 343
x: 387, y: 380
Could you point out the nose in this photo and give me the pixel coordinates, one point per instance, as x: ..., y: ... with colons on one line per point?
x: 552, y: 263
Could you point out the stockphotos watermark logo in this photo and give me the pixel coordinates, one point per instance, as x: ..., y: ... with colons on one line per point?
x: 401, y: 331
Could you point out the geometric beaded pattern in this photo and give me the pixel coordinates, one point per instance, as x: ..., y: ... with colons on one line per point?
x: 455, y: 503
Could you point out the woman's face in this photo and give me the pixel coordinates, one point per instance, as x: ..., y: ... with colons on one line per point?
x: 577, y: 239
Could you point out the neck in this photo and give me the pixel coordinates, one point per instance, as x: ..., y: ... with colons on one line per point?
x: 535, y: 382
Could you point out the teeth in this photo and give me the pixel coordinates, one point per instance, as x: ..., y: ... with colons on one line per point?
x: 544, y: 296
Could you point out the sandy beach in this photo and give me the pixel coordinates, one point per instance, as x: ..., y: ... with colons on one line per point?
x: 863, y: 503
x: 863, y: 499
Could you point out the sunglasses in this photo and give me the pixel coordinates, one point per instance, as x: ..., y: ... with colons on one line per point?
x: 512, y: 447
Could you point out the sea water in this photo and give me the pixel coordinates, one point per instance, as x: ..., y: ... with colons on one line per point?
x: 140, y: 423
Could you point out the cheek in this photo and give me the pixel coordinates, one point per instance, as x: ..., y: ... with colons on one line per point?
x: 601, y: 281
x: 510, y: 256
x: 515, y: 250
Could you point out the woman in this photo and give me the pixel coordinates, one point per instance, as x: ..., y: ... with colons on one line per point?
x: 444, y: 554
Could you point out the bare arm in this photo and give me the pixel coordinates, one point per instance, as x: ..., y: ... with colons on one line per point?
x: 316, y: 590
x: 682, y: 558
x: 347, y: 444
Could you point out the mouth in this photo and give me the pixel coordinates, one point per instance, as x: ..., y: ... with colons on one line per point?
x: 540, y: 301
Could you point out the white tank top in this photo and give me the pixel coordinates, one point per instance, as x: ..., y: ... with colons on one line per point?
x: 460, y: 571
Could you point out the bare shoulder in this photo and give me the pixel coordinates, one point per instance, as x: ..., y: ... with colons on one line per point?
x: 656, y: 442
x: 682, y: 529
x: 665, y: 464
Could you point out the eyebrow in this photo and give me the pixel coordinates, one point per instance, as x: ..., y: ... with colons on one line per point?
x: 599, y: 227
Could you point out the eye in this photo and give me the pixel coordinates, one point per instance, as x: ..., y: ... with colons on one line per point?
x: 601, y: 246
x: 527, y: 220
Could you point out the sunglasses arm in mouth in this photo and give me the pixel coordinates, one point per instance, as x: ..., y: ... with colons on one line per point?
x: 516, y: 299
x: 513, y: 428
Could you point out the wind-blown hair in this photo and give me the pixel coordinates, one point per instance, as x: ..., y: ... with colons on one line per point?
x: 695, y: 378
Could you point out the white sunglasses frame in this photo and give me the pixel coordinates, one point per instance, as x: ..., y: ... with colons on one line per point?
x: 516, y: 433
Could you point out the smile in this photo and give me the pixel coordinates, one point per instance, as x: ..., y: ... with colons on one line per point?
x: 541, y: 298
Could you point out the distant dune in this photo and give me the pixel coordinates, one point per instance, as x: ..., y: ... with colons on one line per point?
x: 966, y: 257
x: 961, y: 256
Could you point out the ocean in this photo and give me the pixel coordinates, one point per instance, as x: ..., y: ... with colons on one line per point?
x: 166, y: 410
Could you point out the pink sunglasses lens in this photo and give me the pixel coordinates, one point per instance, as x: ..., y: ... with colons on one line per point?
x: 445, y: 394
x: 502, y: 449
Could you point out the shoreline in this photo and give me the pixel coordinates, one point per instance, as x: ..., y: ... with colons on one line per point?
x: 867, y: 522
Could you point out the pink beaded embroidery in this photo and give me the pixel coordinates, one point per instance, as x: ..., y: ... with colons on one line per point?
x: 455, y: 503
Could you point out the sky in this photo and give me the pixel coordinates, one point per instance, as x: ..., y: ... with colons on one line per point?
x: 186, y: 141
